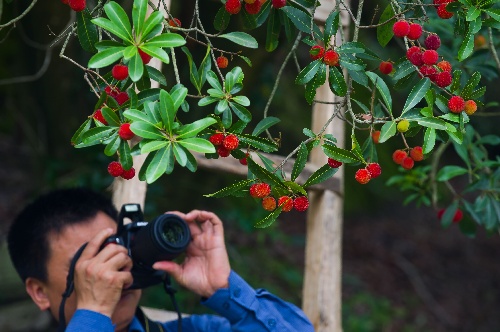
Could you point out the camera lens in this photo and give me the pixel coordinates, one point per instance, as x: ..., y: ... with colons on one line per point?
x: 173, y: 233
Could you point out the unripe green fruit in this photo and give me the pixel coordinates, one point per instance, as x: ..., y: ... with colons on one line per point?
x: 403, y: 126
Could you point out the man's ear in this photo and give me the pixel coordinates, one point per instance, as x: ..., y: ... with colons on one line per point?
x: 37, y: 290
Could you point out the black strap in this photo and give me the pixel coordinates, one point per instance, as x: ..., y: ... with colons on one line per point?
x: 148, y: 324
x: 167, y: 285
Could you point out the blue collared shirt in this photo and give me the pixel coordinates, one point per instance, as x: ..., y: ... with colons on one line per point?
x: 241, y: 308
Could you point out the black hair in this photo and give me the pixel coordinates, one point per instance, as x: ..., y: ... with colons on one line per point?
x: 27, y: 239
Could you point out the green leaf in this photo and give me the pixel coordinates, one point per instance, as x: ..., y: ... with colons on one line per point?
x: 159, y: 164
x: 331, y: 26
x: 472, y: 14
x: 471, y: 85
x: 318, y: 80
x: 302, y: 21
x: 197, y: 144
x: 300, y: 161
x: 167, y: 111
x: 106, y: 57
x: 139, y: 9
x: 432, y: 123
x: 135, y: 68
x: 205, y: 66
x: 156, y: 75
x: 178, y: 94
x: 155, y: 52
x: 429, y: 140
x: 449, y: 213
x: 113, y: 28
x: 167, y: 40
x: 467, y: 45
x: 339, y: 154
x: 308, y: 72
x: 207, y: 101
x: 110, y: 117
x: 119, y: 17
x: 146, y: 130
x: 112, y: 146
x: 260, y: 143
x: 323, y: 173
x: 221, y: 20
x: 384, y: 31
x: 264, y: 124
x: 77, y: 136
x: 180, y: 154
x: 273, y: 31
x: 241, y: 112
x: 337, y: 82
x: 97, y: 135
x: 124, y: 155
x: 228, y: 191
x: 417, y: 93
x: 494, y: 13
x: 241, y: 38
x: 449, y: 172
x: 387, y: 131
x: 264, y: 175
x: 269, y: 220
x: 136, y: 115
x: 192, y: 129
x: 87, y: 32
x: 153, y: 146
x: 403, y: 69
x: 382, y: 88
x: 242, y: 100
x: 351, y: 63
x: 351, y: 47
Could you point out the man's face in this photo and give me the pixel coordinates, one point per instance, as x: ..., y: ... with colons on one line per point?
x: 63, y: 246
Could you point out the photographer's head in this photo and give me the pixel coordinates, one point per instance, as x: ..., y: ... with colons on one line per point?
x: 45, y: 236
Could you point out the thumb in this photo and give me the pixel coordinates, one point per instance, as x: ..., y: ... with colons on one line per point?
x: 172, y: 268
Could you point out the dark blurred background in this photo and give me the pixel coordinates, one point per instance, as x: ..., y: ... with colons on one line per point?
x: 401, y: 270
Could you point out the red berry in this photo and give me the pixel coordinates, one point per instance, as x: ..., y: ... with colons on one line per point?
x: 331, y: 58
x: 412, y: 50
x: 124, y: 132
x: 145, y: 57
x: 128, y: 174
x: 175, y: 23
x: 301, y: 203
x: 334, y: 163
x: 417, y: 153
x: 231, y: 142
x: 217, y: 139
x: 99, y: 117
x: 316, y: 52
x: 254, y: 7
x: 376, y: 136
x: 77, y: 5
x: 408, y: 163
x: 443, y: 79
x: 415, y: 31
x: 444, y: 66
x: 286, y: 203
x: 430, y: 57
x: 401, y: 29
x: 456, y: 104
x: 437, y: 3
x: 278, y: 3
x: 119, y: 72
x: 260, y: 190
x: 456, y: 218
x: 223, y: 152
x: 222, y: 62
x: 122, y: 98
x: 115, y: 169
x: 416, y: 59
x: 233, y: 6
x: 385, y: 67
x: 362, y: 176
x: 443, y: 13
x: 470, y: 107
x: 428, y: 71
x: 244, y: 160
x: 432, y: 42
x: 112, y: 91
x: 374, y: 169
x: 269, y: 203
x: 398, y: 156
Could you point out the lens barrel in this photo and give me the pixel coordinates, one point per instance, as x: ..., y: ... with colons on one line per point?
x: 163, y: 238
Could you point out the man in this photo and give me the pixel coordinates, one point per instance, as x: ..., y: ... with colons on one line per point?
x: 47, y: 233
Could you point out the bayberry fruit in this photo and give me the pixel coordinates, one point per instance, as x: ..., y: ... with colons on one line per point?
x: 411, y: 51
x: 233, y: 6
x: 124, y: 132
x: 217, y: 139
x: 223, y: 152
x: 260, y: 190
x: 443, y: 13
x: 269, y: 203
x: 432, y: 42
x: 99, y: 117
x: 145, y: 57
x: 362, y: 176
x: 331, y: 58
x: 244, y: 160
x: 470, y: 107
x: 479, y: 41
x: 176, y: 23
x: 416, y: 59
x: 112, y: 91
x: 415, y: 31
x: 385, y: 67
x: 115, y: 169
x: 456, y: 104
x: 77, y: 5
x: 231, y: 142
x: 122, y: 98
x: 128, y: 174
x: 403, y: 126
x: 376, y: 136
x: 286, y: 203
x: 430, y: 57
x: 278, y: 3
x: 301, y: 203
x: 401, y: 29
x: 316, y: 52
x: 374, y: 169
x: 428, y: 71
x: 254, y: 7
x: 443, y: 79
x: 222, y: 62
x: 334, y: 163
x: 444, y: 66
x: 408, y: 163
x: 456, y: 218
x: 398, y: 156
x: 417, y: 153
x: 119, y: 72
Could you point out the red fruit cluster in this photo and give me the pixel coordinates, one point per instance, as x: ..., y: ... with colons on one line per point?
x: 119, y: 72
x: 402, y: 158
x: 371, y: 171
x: 222, y: 62
x: 269, y: 203
x: 224, y: 143
x: 124, y: 132
x: 456, y: 218
x: 115, y: 169
x: 233, y: 6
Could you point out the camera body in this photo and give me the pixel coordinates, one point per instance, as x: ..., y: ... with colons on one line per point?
x: 163, y: 238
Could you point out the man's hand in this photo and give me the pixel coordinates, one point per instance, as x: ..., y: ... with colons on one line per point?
x: 206, y: 266
x: 100, y: 276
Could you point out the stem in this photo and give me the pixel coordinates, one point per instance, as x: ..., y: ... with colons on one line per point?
x: 492, y: 48
x: 16, y: 19
x: 434, y: 166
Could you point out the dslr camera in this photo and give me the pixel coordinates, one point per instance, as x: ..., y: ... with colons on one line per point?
x: 163, y: 238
